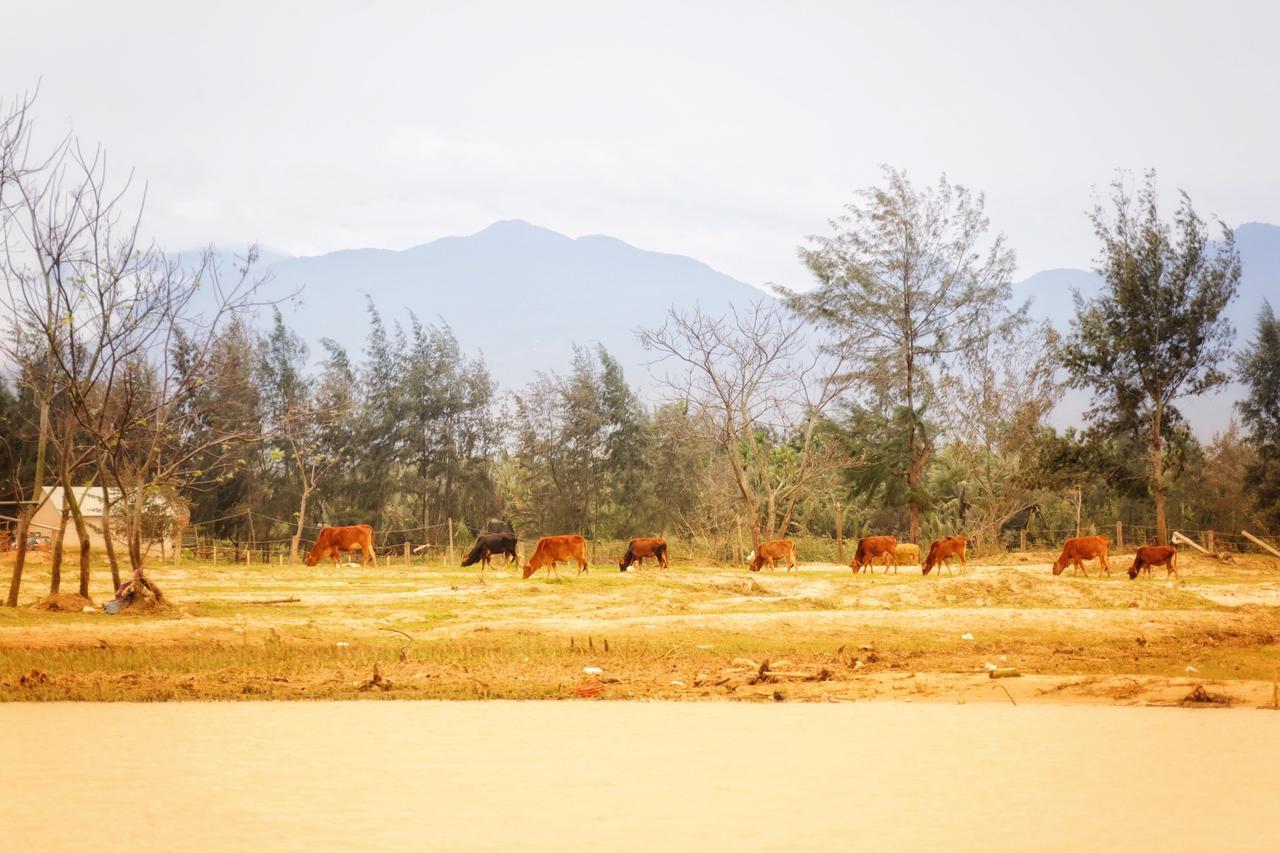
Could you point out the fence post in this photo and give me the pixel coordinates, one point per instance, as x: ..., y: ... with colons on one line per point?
x: 215, y: 554
x: 1119, y: 535
x: 406, y: 553
x: 1022, y: 539
x: 1208, y: 542
x: 840, y: 530
x: 451, y: 540
x: 248, y: 556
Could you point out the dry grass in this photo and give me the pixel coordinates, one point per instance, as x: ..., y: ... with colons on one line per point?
x: 442, y: 632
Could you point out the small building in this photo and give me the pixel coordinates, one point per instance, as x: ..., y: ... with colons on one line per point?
x: 49, y: 516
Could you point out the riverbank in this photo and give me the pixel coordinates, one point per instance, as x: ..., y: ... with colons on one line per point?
x: 425, y: 631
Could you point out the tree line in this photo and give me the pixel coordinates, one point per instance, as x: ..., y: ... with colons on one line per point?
x: 905, y: 387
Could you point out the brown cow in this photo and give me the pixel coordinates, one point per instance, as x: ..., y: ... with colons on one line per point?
x: 772, y: 551
x: 872, y: 548
x: 639, y: 549
x: 1076, y: 551
x: 1154, y: 555
x: 557, y: 549
x: 941, y: 552
x: 333, y: 540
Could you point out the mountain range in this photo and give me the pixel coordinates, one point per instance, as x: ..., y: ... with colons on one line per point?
x: 522, y: 296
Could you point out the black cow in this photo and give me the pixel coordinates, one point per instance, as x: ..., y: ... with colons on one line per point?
x: 488, y: 544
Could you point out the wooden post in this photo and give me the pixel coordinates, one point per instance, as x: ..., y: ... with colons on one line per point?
x: 1256, y: 541
x: 1177, y: 537
x: 451, y: 541
x: 1119, y: 535
x: 215, y: 553
x: 840, y: 530
x: 248, y: 556
x: 737, y: 547
x: 1209, y: 543
x: 406, y: 553
x: 1022, y: 539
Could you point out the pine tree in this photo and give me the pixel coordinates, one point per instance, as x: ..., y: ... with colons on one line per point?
x: 1259, y: 367
x: 1156, y: 333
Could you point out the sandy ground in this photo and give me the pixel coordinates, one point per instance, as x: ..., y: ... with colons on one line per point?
x: 692, y: 632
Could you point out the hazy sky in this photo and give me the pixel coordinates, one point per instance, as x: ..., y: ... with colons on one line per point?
x: 723, y: 131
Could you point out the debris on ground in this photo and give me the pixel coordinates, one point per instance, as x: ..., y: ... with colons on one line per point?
x: 66, y: 602
x: 1004, y: 672
x: 375, y: 682
x: 1200, y: 696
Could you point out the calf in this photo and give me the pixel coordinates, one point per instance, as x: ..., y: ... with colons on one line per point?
x: 557, y: 549
x: 772, y: 551
x: 941, y: 552
x: 1154, y: 555
x: 639, y: 549
x: 1076, y: 551
x: 872, y: 548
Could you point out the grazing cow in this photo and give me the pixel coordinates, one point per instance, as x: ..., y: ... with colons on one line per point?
x: 941, y: 552
x: 639, y: 549
x: 907, y: 554
x: 872, y: 548
x: 771, y: 552
x: 333, y: 540
x: 488, y: 544
x: 557, y: 549
x: 1076, y: 551
x: 1154, y: 555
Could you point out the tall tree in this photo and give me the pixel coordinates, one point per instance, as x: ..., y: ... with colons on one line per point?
x: 1259, y: 369
x: 1156, y: 333
x: 908, y: 278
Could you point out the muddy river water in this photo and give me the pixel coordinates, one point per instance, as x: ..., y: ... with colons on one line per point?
x: 636, y: 776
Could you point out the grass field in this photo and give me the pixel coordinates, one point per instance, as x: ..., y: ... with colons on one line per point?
x: 691, y: 632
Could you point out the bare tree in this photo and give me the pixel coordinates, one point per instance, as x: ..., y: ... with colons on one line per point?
x: 98, y: 318
x: 751, y: 380
x: 998, y: 397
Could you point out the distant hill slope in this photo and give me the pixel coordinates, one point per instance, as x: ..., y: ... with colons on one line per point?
x: 523, y: 295
x: 520, y: 294
x: 1050, y: 292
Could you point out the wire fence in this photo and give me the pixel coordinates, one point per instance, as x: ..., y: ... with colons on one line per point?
x: 432, y: 546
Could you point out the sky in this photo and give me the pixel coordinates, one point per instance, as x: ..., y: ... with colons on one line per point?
x: 724, y: 131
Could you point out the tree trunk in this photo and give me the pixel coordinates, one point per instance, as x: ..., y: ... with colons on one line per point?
x: 913, y: 466
x: 82, y: 532
x: 297, y: 535
x: 55, y: 569
x: 24, y: 519
x: 135, y: 531
x: 106, y: 537
x: 1157, y: 475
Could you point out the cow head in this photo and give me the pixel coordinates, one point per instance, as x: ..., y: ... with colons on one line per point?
x: 1060, y: 564
x: 1133, y: 570
x: 529, y: 569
